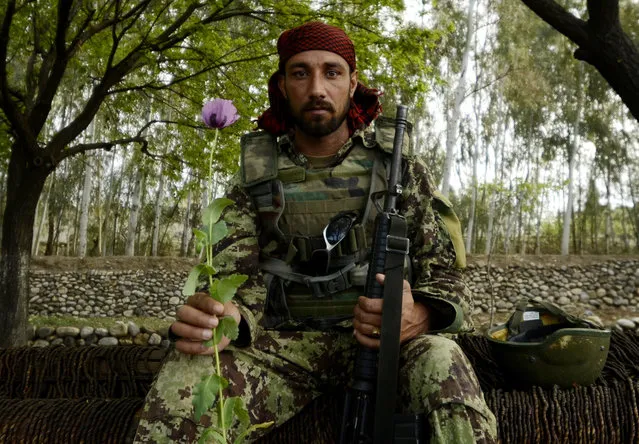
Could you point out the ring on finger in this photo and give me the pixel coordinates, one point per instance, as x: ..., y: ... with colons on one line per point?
x: 376, y: 333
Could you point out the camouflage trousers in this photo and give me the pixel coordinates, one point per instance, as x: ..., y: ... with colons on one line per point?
x: 283, y: 371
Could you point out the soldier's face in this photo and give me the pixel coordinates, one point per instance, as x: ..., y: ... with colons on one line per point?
x: 318, y: 87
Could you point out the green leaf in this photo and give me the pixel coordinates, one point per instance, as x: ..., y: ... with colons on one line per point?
x: 227, y: 287
x: 227, y: 327
x: 213, y: 212
x: 200, y: 236
x: 240, y: 439
x: 204, y: 394
x: 241, y: 412
x: 211, y: 435
x: 194, y: 278
x: 218, y: 232
x: 229, y: 409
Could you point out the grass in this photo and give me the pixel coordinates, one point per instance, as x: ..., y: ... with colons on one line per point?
x: 72, y: 321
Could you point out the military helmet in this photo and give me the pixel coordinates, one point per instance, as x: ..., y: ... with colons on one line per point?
x: 542, y: 345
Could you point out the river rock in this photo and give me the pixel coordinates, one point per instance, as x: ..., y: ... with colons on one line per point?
x: 119, y: 329
x: 109, y: 340
x: 155, y: 339
x: 63, y: 332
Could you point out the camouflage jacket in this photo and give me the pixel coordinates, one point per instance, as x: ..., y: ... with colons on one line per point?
x: 436, y: 251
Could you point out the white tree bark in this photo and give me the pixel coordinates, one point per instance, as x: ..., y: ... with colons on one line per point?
x: 158, y: 212
x: 107, y: 206
x: 572, y: 162
x: 500, y: 139
x: 452, y: 127
x: 84, y: 208
x: 98, y: 199
x: 35, y: 246
x: 134, y: 213
x: 610, y: 233
x: 186, y: 225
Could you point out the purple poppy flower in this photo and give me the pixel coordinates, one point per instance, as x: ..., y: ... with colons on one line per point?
x: 219, y: 113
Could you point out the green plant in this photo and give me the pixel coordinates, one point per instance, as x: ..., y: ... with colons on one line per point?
x: 208, y: 392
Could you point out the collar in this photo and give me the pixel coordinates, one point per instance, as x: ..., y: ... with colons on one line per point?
x: 286, y: 144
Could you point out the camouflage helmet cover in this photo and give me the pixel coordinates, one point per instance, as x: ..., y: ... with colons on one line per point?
x: 543, y: 345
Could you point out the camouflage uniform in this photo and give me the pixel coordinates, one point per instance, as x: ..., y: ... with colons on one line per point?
x: 279, y: 367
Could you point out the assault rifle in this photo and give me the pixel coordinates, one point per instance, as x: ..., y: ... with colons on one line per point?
x: 370, y: 401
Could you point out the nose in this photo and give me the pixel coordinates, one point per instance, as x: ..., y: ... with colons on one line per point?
x: 317, y: 88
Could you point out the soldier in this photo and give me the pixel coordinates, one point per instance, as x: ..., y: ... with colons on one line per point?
x: 318, y: 164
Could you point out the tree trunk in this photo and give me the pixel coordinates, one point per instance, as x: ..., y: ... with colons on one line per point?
x: 35, y: 247
x: 187, y: 228
x: 573, y: 149
x: 134, y: 213
x: 84, y: 208
x: 452, y: 127
x: 609, y: 233
x: 48, y: 251
x: 98, y: 203
x: 158, y: 212
x: 3, y: 192
x: 107, y: 206
x: 24, y: 187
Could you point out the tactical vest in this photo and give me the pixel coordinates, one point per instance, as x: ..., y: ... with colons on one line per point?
x: 294, y: 203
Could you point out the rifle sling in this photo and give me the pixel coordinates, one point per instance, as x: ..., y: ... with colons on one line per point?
x: 396, y: 250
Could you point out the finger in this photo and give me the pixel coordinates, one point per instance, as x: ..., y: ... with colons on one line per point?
x: 381, y: 278
x: 193, y: 316
x: 187, y: 331
x: 193, y: 347
x: 367, y: 329
x: 364, y: 317
x: 370, y: 305
x: 365, y: 340
x: 205, y: 303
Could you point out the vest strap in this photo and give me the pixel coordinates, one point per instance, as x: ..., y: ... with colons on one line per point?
x: 326, y: 206
x: 320, y: 286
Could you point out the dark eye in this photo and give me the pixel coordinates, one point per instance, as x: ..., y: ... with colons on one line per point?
x: 299, y: 74
x: 332, y: 73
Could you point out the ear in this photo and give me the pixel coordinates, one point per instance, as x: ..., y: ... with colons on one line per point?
x: 353, y: 83
x: 280, y: 83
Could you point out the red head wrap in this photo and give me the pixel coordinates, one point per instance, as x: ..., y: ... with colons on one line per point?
x: 365, y: 104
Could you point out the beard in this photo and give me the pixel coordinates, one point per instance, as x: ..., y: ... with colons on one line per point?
x: 318, y: 126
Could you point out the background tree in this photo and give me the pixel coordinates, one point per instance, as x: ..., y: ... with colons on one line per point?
x: 118, y: 57
x: 601, y: 42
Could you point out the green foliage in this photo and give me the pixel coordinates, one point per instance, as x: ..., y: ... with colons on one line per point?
x: 227, y: 287
x: 205, y: 392
x: 209, y: 390
x: 227, y: 327
x: 194, y: 277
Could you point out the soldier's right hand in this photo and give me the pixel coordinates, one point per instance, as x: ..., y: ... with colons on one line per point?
x: 195, y: 321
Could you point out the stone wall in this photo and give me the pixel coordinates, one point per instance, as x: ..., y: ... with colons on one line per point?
x: 607, y: 285
x: 154, y: 289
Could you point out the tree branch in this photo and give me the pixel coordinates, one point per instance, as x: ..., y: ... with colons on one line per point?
x: 560, y: 19
x: 9, y: 108
x: 177, y: 80
x: 603, y: 15
x: 37, y: 117
x: 83, y: 147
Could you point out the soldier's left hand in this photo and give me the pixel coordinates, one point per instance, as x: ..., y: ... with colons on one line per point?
x: 367, y: 321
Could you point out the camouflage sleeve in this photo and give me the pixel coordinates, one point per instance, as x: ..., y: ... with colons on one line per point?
x: 437, y: 251
x: 239, y: 253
